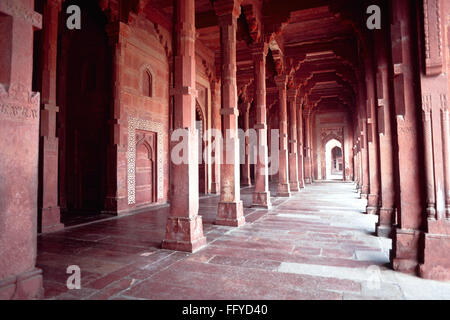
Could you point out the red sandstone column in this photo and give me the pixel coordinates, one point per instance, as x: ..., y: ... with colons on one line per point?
x: 386, y: 213
x: 246, y: 177
x: 48, y: 201
x: 284, y: 189
x: 301, y: 180
x: 230, y: 210
x: 217, y: 125
x: 406, y: 236
x: 363, y: 142
x: 445, y: 115
x: 184, y: 231
x: 19, y: 152
x: 293, y: 160
x: 261, y: 194
x: 372, y: 140
x: 308, y: 164
x: 434, y: 53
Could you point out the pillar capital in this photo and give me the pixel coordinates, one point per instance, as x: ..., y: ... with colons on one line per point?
x: 281, y: 81
x: 259, y: 50
x: 292, y: 94
x: 226, y: 10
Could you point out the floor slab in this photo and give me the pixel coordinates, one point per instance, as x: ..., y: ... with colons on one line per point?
x: 318, y: 244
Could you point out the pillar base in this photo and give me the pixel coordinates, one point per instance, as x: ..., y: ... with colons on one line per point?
x: 284, y: 190
x: 261, y: 200
x: 26, y: 286
x: 230, y: 214
x: 383, y: 231
x: 215, y: 188
x: 301, y: 184
x: 405, y: 248
x: 51, y: 220
x: 184, y: 234
x: 246, y: 183
x: 372, y: 210
x: 384, y: 224
x: 294, y: 186
x: 307, y: 180
x: 436, y: 264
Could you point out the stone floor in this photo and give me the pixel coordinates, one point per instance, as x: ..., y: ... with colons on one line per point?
x: 316, y: 245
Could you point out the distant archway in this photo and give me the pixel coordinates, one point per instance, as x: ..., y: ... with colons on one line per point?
x: 333, y: 160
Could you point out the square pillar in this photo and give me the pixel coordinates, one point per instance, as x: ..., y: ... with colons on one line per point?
x: 293, y: 160
x: 19, y: 152
x: 49, y: 210
x: 184, y: 229
x: 261, y: 194
x: 284, y: 189
x: 231, y: 209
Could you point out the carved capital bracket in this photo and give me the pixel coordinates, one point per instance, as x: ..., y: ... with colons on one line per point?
x: 433, y: 37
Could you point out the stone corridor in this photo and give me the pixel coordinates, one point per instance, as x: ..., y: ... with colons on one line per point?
x: 318, y: 244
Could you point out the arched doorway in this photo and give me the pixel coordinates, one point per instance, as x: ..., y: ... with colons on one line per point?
x: 84, y: 90
x: 200, y: 125
x: 333, y: 160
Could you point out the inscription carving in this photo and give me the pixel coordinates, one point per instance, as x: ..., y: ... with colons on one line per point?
x: 19, y: 112
x: 16, y: 102
x: 12, y: 8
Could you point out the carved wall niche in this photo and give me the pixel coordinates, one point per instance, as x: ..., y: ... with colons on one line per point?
x: 146, y: 184
x: 136, y: 128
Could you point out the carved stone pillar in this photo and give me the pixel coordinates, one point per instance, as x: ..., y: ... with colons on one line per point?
x: 300, y: 146
x: 184, y: 231
x: 428, y: 156
x: 49, y: 211
x: 284, y: 189
x: 19, y: 152
x: 445, y: 116
x: 363, y: 142
x: 386, y: 213
x: 116, y: 199
x: 261, y: 194
x: 216, y: 125
x: 433, y: 48
x: 407, y: 234
x: 308, y: 160
x: 293, y: 160
x: 230, y: 210
x: 372, y: 140
x: 246, y: 177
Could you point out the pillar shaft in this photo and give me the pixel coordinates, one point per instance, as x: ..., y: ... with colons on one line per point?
x: 19, y: 152
x: 308, y: 160
x: 49, y: 210
x: 261, y: 194
x: 216, y: 125
x: 386, y: 213
x: 406, y: 236
x: 184, y: 229
x: 445, y: 115
x: 230, y: 210
x: 246, y: 177
x: 293, y: 160
x: 372, y: 141
x: 284, y: 189
x: 300, y: 145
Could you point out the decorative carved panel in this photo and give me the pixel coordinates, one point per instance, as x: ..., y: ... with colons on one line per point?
x: 147, y: 125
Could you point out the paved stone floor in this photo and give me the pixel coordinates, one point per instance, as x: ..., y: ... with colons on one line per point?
x: 316, y: 245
